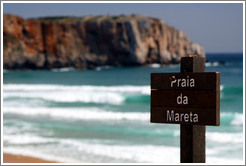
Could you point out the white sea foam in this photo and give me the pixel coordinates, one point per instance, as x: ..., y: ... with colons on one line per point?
x: 104, y: 67
x: 68, y: 96
x: 98, y: 150
x: 208, y: 64
x: 25, y: 139
x: 155, y: 65
x: 236, y: 118
x: 78, y: 113
x: 20, y: 127
x: 221, y: 87
x: 42, y: 87
x: 221, y: 137
x: 137, y: 153
x: 65, y: 69
x: 85, y: 93
x: 224, y: 161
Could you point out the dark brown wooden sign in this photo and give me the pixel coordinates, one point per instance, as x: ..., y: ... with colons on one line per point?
x: 185, y: 98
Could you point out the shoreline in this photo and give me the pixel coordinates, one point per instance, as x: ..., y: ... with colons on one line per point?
x: 12, y: 158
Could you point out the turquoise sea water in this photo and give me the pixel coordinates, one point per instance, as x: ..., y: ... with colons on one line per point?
x: 103, y: 115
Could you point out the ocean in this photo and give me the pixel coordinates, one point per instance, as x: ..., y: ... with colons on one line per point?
x: 103, y: 115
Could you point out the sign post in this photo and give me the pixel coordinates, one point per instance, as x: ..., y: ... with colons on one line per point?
x: 190, y: 98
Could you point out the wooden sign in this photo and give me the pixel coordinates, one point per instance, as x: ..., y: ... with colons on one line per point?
x: 185, y: 98
x: 190, y: 98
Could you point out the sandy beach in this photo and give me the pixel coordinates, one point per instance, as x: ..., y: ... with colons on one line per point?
x: 10, y: 158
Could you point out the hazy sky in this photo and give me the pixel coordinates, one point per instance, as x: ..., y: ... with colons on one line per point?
x: 217, y: 27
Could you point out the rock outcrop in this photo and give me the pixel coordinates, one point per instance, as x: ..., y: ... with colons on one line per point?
x: 89, y: 42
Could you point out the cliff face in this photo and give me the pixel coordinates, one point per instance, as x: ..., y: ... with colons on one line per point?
x: 91, y: 41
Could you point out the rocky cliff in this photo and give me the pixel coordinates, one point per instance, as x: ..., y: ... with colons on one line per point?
x: 88, y: 42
